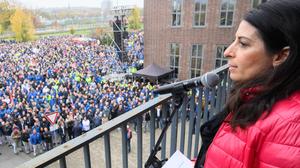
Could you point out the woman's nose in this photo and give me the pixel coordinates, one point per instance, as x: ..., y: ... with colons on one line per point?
x: 229, y: 51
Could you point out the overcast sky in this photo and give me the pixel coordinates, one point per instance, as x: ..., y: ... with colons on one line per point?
x: 76, y: 3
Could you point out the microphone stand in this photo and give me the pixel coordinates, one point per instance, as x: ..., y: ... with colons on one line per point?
x: 152, y: 159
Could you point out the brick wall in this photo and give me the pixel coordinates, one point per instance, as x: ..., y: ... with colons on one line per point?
x: 159, y: 33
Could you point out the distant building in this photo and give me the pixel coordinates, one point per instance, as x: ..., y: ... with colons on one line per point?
x: 190, y: 36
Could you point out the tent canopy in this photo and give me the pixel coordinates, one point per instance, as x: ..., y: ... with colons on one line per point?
x: 153, y: 71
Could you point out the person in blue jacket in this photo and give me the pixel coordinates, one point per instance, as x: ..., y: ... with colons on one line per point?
x: 35, y: 140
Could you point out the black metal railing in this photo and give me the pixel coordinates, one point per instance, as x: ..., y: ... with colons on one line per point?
x: 184, y: 132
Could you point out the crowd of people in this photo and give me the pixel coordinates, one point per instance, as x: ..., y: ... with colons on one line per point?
x: 63, y: 75
x: 135, y: 49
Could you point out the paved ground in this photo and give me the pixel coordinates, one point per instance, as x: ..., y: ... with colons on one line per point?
x: 9, y: 160
x: 75, y: 160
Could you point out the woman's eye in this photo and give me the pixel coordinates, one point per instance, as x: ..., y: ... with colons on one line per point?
x: 243, y: 44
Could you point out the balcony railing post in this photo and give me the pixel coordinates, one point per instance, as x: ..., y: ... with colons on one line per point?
x: 183, y: 121
x: 198, y: 121
x: 87, y: 158
x: 165, y: 110
x: 139, y: 132
x: 152, y: 128
x: 124, y: 146
x: 62, y: 162
x: 227, y: 84
x: 212, y: 102
x: 206, y: 99
x: 107, y: 150
x: 218, y: 100
x: 191, y: 123
x: 174, y: 129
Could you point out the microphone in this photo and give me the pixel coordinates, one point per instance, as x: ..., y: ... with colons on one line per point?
x: 209, y: 80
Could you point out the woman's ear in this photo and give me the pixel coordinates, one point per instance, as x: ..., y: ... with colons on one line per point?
x: 280, y: 57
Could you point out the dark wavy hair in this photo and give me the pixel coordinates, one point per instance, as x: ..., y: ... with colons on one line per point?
x: 278, y: 25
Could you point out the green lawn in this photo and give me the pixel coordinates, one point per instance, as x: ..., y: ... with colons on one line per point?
x: 86, y: 32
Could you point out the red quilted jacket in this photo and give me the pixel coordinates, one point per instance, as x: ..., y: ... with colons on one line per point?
x: 272, y: 142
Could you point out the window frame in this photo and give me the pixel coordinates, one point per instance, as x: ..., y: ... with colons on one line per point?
x: 200, y: 12
x: 222, y: 58
x: 197, y: 58
x: 259, y: 2
x: 173, y: 56
x: 176, y: 13
x: 227, y: 10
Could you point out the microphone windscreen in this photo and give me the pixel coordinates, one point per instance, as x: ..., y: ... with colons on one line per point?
x: 210, y: 80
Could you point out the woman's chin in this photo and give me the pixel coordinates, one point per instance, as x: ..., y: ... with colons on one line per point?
x: 234, y: 77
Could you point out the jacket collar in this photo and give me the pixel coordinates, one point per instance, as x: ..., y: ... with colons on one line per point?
x: 249, y: 93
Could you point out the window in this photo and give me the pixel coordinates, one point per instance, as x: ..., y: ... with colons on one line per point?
x: 227, y: 12
x: 220, y: 59
x: 174, y: 57
x: 200, y: 12
x: 255, y: 3
x: 196, y: 60
x: 176, y: 12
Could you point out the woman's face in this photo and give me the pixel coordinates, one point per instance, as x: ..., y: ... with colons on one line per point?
x: 247, y: 56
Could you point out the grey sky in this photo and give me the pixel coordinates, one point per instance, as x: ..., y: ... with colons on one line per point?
x: 76, y: 3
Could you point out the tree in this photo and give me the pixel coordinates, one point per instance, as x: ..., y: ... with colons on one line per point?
x: 106, y: 40
x: 1, y: 29
x: 135, y: 19
x: 72, y: 31
x: 22, y: 25
x: 98, y: 33
x: 5, y: 14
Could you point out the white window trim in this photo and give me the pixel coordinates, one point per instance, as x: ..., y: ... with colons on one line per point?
x: 191, y: 55
x: 179, y: 56
x: 216, y: 49
x: 205, y: 22
x: 181, y: 15
x: 233, y: 17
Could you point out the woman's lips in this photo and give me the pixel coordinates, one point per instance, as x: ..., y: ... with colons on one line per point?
x: 232, y: 67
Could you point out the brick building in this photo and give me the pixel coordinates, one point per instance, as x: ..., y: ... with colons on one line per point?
x: 191, y: 35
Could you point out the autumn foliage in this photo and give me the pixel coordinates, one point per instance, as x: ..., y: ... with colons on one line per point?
x: 5, y: 14
x: 22, y: 25
x: 135, y: 19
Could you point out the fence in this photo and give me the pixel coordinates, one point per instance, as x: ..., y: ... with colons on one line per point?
x: 198, y: 106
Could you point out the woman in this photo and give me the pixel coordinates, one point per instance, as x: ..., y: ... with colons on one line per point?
x: 85, y: 124
x: 262, y: 117
x: 16, y: 137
